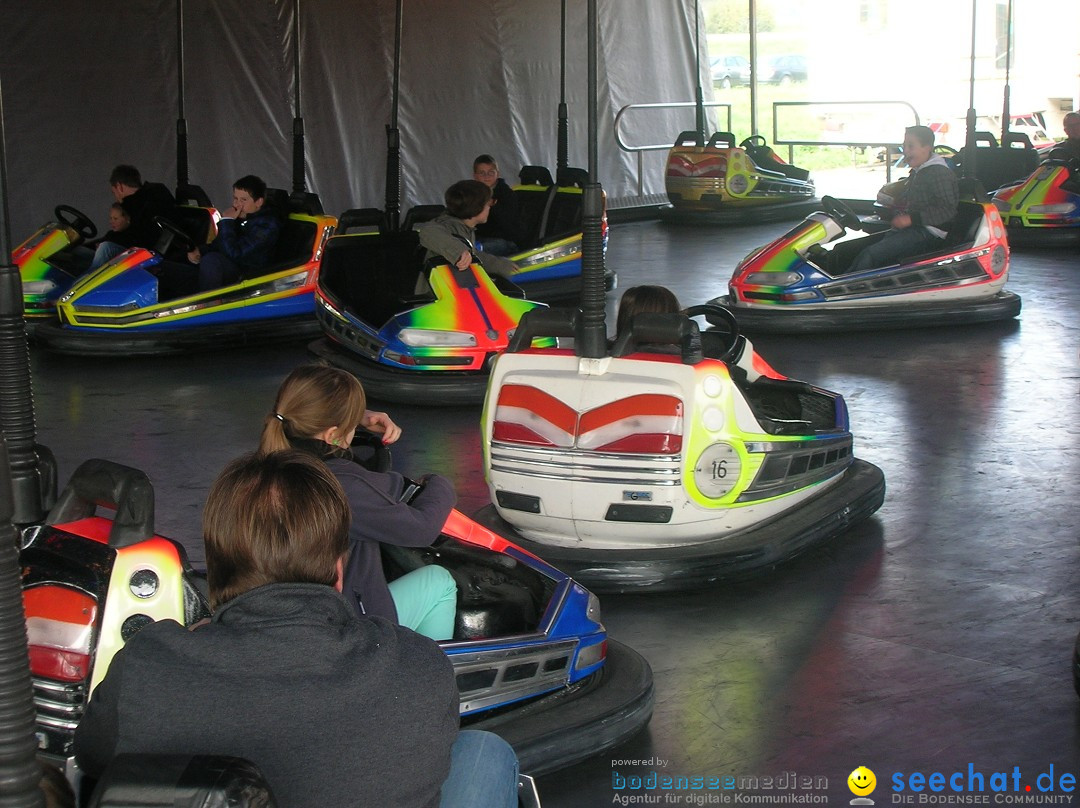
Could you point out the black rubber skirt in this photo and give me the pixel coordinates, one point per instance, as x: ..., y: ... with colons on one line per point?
x: 730, y: 214
x: 812, y: 318
x: 150, y: 342
x: 561, y: 729
x: 736, y: 555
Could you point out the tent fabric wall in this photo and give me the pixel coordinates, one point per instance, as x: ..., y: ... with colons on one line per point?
x: 87, y: 86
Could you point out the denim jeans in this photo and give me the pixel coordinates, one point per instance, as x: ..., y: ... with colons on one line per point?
x: 483, y: 772
x: 105, y: 252
x: 895, y: 246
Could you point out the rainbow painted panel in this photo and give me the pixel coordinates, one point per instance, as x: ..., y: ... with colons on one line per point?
x: 1040, y: 201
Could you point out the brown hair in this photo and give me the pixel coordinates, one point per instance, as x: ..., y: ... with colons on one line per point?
x: 466, y: 198
x: 644, y: 299
x: 310, y: 400
x: 273, y: 518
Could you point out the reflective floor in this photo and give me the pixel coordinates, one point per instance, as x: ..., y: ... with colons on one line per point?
x: 935, y: 637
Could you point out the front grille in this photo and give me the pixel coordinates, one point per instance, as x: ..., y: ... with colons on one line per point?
x: 346, y: 334
x: 791, y: 466
x: 952, y: 273
x: 488, y: 678
x: 59, y: 709
x: 577, y: 465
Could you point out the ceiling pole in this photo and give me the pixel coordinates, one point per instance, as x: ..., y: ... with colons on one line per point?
x: 754, y: 69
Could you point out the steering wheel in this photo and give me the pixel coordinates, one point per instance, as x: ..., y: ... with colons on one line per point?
x: 175, y: 234
x: 726, y: 325
x: 370, y: 452
x: 945, y: 151
x: 754, y: 141
x: 75, y: 220
x: 841, y: 212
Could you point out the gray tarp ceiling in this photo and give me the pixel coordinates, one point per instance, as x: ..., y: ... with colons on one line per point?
x: 89, y: 85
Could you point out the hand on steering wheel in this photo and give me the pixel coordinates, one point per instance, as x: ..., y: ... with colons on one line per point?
x: 75, y: 220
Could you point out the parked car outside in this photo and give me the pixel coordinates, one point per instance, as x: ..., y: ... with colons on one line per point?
x: 786, y: 69
x: 730, y: 71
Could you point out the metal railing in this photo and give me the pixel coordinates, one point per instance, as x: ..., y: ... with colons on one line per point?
x: 895, y: 113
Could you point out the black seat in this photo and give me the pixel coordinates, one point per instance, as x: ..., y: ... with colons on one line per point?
x: 421, y: 213
x: 373, y: 276
x: 965, y: 225
x: 534, y: 198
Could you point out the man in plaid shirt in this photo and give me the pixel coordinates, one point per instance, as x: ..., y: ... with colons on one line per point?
x: 923, y: 209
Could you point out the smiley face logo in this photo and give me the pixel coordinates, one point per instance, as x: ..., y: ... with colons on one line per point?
x: 861, y: 781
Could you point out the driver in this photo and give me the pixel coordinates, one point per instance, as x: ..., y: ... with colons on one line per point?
x: 142, y: 202
x: 923, y: 208
x: 452, y: 235
x: 1071, y: 143
x: 317, y: 410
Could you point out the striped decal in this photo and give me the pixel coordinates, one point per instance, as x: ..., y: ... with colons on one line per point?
x: 647, y: 423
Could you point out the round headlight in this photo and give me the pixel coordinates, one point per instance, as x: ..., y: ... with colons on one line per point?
x: 143, y: 583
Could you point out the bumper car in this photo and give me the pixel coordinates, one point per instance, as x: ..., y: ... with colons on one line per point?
x: 1044, y: 209
x: 118, y: 309
x: 802, y: 283
x: 679, y: 459
x: 550, y: 270
x: 717, y: 182
x: 43, y: 283
x: 533, y: 661
x: 435, y: 346
x: 57, y: 253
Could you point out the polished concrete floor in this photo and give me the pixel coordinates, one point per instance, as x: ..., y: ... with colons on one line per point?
x: 932, y: 638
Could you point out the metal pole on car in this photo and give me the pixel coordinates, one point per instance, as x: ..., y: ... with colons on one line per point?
x: 593, y: 333
x: 20, y: 503
x: 299, y: 184
x: 393, y: 138
x: 562, y: 159
x: 699, y: 98
x: 969, y: 143
x: 181, y: 122
x: 1006, y: 113
x: 33, y: 470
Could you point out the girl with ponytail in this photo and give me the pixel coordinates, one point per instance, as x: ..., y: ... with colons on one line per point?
x: 317, y: 410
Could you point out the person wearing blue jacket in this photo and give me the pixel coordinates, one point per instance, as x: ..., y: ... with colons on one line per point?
x: 247, y: 235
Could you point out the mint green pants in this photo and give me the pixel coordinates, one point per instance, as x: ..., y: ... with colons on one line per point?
x: 426, y: 601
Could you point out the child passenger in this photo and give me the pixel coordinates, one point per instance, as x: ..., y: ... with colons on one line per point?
x: 642, y: 300
x: 119, y: 220
x: 452, y: 235
x: 317, y: 410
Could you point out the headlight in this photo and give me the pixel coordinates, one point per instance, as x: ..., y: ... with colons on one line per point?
x: 37, y: 287
x: 421, y: 337
x: 773, y: 278
x: 549, y: 256
x: 1063, y: 207
x: 587, y: 657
